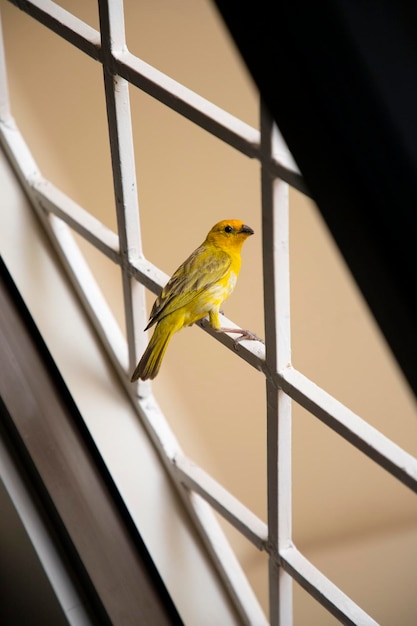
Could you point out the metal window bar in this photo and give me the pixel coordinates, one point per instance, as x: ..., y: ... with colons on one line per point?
x: 284, y: 384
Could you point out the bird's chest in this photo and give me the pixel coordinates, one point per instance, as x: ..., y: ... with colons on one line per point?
x: 210, y: 299
x: 218, y: 292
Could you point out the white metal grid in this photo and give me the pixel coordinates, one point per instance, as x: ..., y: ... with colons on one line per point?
x: 285, y: 384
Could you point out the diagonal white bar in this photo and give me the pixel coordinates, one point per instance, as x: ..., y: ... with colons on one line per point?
x: 196, y: 479
x: 350, y: 426
x: 323, y: 590
x: 160, y: 86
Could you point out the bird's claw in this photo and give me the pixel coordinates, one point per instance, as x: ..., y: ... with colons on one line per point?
x: 243, y: 335
x: 246, y: 335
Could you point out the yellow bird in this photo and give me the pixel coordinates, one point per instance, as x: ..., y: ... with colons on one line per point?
x: 196, y: 289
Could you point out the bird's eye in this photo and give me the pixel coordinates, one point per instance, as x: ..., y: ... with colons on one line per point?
x: 228, y: 229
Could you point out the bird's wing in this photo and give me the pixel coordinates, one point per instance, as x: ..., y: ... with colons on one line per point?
x: 200, y: 271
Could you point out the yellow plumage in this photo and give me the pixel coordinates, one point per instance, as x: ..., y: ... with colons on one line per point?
x: 196, y: 289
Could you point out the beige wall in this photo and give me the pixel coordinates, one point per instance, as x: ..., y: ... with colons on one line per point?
x: 352, y: 520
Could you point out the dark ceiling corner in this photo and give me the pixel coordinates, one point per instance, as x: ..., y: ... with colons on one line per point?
x: 340, y: 79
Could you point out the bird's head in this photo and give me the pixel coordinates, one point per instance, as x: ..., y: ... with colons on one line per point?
x: 229, y: 234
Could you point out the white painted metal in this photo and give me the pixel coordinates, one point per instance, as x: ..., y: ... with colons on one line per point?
x: 283, y: 383
x: 91, y: 295
x: 64, y: 24
x: 124, y: 174
x: 350, y: 426
x: 323, y: 590
x: 197, y: 109
x: 202, y: 112
x: 275, y: 247
x: 103, y: 320
x: 66, y: 247
x: 154, y: 421
x: 54, y: 201
x: 121, y: 142
x: 217, y: 546
x: 193, y: 477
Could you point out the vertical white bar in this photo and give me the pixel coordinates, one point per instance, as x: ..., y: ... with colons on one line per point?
x: 275, y: 237
x: 124, y: 174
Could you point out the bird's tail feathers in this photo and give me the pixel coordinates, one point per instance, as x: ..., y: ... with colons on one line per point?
x: 148, y: 366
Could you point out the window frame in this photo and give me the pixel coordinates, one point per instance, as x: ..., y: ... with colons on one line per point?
x: 199, y: 491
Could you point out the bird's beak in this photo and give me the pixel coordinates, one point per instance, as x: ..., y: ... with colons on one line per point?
x: 246, y: 229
